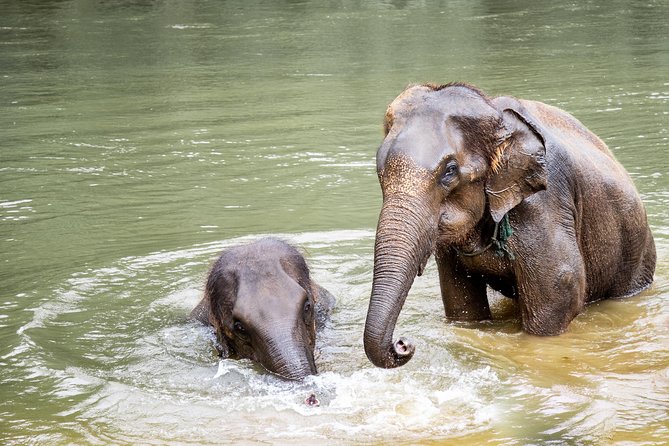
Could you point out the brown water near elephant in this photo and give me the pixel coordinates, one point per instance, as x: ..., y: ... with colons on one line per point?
x: 142, y: 139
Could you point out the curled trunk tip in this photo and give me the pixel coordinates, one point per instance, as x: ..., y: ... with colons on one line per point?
x: 400, y: 353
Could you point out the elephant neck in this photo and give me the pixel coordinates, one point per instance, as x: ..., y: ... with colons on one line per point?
x: 490, y: 235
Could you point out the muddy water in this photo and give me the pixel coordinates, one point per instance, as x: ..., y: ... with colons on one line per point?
x: 141, y: 139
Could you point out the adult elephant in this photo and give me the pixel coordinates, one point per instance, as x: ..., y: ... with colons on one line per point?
x: 264, y: 306
x: 507, y: 193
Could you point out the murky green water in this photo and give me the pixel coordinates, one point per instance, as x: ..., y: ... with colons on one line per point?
x: 141, y: 138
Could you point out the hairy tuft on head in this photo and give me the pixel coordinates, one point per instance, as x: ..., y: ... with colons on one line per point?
x: 439, y: 87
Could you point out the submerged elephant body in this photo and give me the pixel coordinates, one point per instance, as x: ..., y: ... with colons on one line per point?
x: 457, y: 168
x: 264, y: 306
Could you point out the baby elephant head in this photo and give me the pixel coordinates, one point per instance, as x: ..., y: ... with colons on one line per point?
x: 261, y: 304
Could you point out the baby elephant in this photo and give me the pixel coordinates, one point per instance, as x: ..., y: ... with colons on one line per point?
x: 264, y: 306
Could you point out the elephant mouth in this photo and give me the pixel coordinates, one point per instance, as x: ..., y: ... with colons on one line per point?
x: 423, y: 263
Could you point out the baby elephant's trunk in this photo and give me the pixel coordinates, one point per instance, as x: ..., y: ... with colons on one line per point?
x: 289, y: 352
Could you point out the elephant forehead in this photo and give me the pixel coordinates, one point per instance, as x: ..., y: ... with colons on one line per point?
x: 402, y: 175
x: 267, y: 291
x: 422, y: 142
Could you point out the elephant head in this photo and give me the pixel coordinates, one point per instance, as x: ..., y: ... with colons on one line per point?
x: 450, y: 160
x: 261, y: 302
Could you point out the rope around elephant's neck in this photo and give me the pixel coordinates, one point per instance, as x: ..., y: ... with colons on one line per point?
x: 500, y: 235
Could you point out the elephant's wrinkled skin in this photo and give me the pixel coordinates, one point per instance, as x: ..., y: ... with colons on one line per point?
x: 263, y: 306
x: 455, y: 162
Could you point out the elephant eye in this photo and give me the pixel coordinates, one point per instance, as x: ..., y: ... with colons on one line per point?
x: 239, y: 327
x: 449, y: 174
x: 307, y: 307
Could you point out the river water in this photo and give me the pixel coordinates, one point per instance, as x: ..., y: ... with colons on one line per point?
x: 140, y: 138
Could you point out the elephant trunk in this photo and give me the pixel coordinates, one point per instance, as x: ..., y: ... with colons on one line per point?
x: 405, y: 239
x: 289, y: 353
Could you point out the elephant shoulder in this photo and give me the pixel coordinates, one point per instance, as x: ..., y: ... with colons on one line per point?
x: 325, y: 303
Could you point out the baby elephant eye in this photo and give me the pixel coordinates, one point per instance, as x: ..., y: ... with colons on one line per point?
x: 307, y: 307
x: 239, y: 327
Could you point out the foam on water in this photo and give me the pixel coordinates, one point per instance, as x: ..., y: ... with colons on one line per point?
x: 366, y: 405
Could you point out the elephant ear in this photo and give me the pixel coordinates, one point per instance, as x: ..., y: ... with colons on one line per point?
x: 518, y: 166
x: 324, y: 305
x: 213, y: 303
x: 223, y: 347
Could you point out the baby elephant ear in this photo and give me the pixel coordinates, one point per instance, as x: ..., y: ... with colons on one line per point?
x: 518, y: 167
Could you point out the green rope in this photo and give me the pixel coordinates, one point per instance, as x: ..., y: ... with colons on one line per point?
x: 503, y: 231
x: 500, y: 235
